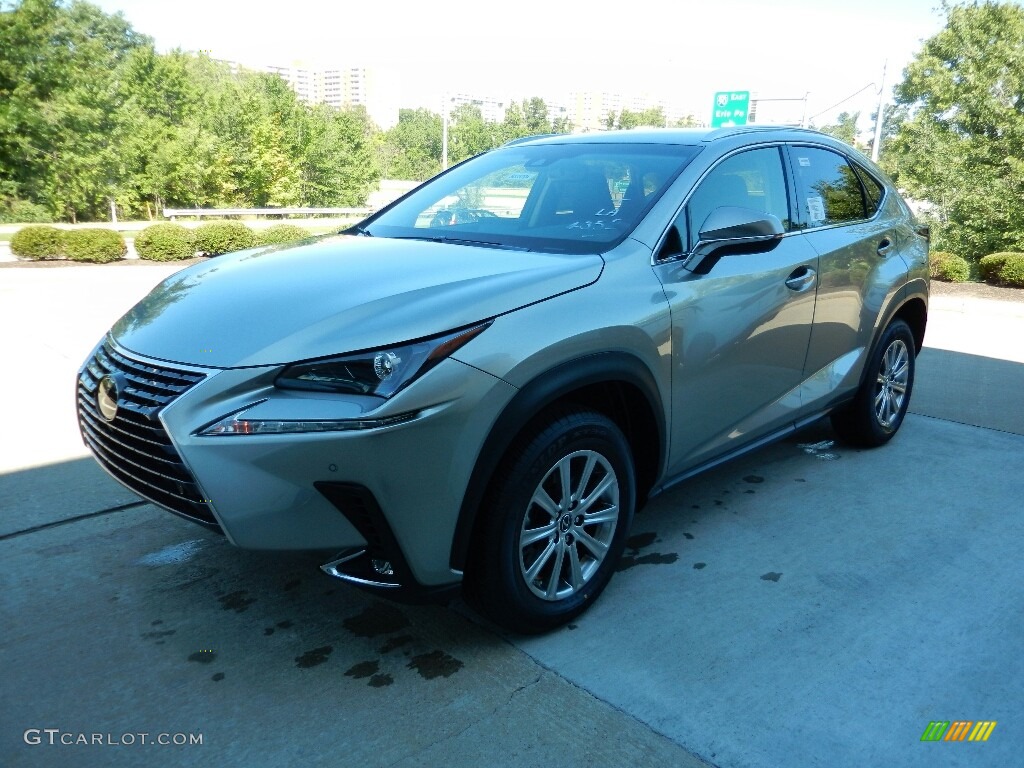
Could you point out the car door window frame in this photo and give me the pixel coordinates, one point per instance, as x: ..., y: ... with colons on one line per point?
x: 680, y: 219
x: 801, y: 223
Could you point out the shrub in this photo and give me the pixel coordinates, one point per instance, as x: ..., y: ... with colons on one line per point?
x: 219, y: 237
x: 991, y: 265
x: 282, y: 233
x: 94, y: 245
x: 946, y: 266
x: 1012, y: 272
x: 16, y: 211
x: 38, y: 243
x: 165, y: 242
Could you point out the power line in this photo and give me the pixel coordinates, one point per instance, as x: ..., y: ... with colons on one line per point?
x: 838, y: 103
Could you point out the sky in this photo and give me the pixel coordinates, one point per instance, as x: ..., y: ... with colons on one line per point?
x: 685, y: 51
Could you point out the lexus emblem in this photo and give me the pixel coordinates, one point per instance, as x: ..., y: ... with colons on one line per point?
x: 106, y: 397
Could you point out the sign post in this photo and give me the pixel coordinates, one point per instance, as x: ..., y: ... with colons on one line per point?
x: 731, y: 108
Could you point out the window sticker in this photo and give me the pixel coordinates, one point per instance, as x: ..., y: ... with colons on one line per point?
x: 804, y: 161
x: 816, y: 208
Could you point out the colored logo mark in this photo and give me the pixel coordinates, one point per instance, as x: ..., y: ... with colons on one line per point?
x: 958, y: 730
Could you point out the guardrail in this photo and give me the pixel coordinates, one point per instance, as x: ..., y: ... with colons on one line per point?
x: 173, y: 213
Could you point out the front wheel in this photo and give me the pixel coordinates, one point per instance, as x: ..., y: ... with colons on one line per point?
x: 880, y: 406
x: 554, y: 525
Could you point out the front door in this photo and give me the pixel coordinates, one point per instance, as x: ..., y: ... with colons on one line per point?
x: 739, y: 332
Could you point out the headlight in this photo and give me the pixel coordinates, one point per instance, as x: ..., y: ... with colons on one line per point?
x: 380, y: 372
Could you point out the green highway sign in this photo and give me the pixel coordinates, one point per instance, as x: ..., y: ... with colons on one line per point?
x: 731, y: 108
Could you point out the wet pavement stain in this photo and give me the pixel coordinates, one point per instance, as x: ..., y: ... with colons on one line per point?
x: 573, y: 626
x: 363, y: 669
x: 203, y: 657
x: 633, y: 557
x: 381, y: 681
x: 753, y: 479
x: 771, y: 576
x: 286, y: 624
x: 217, y: 677
x: 699, y: 566
x: 156, y: 622
x: 236, y: 601
x: 292, y: 584
x: 435, y: 664
x: 378, y: 619
x: 689, y: 536
x: 314, y: 657
x: 155, y: 634
x: 395, y: 642
x: 268, y: 630
x: 750, y: 490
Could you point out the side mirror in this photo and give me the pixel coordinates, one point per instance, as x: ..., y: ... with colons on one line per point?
x: 733, y: 227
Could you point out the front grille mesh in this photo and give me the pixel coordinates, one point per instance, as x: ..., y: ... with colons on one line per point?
x: 135, y: 447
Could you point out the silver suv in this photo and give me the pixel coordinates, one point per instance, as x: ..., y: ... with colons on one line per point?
x: 481, y: 383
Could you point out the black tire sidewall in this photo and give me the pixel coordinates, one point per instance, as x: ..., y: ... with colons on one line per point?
x: 571, y: 432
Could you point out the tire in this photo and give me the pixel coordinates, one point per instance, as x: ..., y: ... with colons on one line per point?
x: 538, y: 560
x: 878, y: 409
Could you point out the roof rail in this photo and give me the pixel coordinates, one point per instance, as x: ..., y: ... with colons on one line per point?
x: 736, y: 130
x: 524, y: 139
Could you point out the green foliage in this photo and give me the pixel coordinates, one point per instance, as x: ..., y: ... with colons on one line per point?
x: 653, y: 117
x: 990, y: 266
x: 219, y: 237
x: 949, y: 268
x: 962, y: 144
x: 412, y: 148
x: 165, y: 242
x: 281, y: 233
x: 90, y: 112
x: 1012, y: 272
x: 17, y: 211
x: 845, y: 128
x: 97, y: 246
x: 38, y: 243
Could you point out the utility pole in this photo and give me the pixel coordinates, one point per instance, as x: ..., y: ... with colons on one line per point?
x: 444, y: 133
x: 875, y: 145
x: 803, y: 117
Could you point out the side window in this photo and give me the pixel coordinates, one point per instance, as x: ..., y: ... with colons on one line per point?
x: 873, y: 190
x: 829, y: 191
x: 752, y: 179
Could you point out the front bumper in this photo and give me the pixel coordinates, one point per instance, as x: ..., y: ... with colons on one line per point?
x: 262, y: 490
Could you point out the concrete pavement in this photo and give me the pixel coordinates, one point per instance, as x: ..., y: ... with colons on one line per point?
x: 807, y: 605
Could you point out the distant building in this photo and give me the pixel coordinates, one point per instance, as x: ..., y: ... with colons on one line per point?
x: 339, y: 87
x: 492, y: 109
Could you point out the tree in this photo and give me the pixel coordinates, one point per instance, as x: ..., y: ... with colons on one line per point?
x: 469, y: 134
x: 411, y: 149
x: 845, y: 128
x: 652, y: 117
x: 962, y: 146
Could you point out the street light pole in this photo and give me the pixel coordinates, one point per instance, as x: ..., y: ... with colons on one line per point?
x: 875, y: 145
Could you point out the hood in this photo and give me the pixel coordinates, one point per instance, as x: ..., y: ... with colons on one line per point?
x: 341, y: 294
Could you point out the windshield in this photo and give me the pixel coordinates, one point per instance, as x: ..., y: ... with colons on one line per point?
x: 564, y: 198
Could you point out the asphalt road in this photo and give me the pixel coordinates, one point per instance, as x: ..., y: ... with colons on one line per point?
x: 809, y: 605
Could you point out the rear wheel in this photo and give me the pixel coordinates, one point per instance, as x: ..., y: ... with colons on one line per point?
x: 554, y: 524
x: 880, y: 406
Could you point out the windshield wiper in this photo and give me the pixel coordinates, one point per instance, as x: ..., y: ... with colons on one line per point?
x: 358, y: 229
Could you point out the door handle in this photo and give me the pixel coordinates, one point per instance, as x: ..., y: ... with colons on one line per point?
x: 884, y: 247
x: 801, y: 279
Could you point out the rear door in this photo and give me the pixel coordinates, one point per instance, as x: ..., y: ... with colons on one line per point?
x: 840, y: 210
